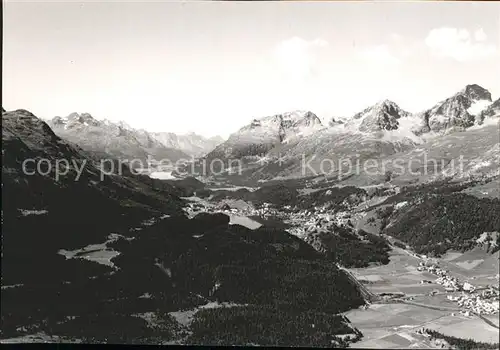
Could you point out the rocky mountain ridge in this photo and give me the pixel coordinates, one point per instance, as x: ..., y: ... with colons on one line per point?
x: 206, y: 268
x: 460, y: 109
x: 155, y: 263
x: 125, y: 142
x: 261, y: 135
x: 457, y: 112
x: 269, y: 147
x: 34, y: 155
x: 492, y: 111
x: 77, y: 127
x: 191, y: 143
x: 384, y: 115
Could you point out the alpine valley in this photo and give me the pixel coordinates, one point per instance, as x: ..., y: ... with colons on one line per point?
x: 286, y: 242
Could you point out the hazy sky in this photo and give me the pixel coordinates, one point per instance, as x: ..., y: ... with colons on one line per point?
x: 210, y: 67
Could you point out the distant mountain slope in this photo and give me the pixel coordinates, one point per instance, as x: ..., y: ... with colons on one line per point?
x: 492, y: 111
x: 438, y: 222
x: 269, y: 148
x: 261, y: 135
x: 43, y: 212
x: 470, y: 154
x: 378, y: 131
x: 458, y: 111
x: 155, y: 268
x: 117, y: 139
x: 384, y: 115
x: 192, y: 144
x: 335, y: 121
x: 28, y: 142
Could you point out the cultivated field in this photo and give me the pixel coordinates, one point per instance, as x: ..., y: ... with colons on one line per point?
x: 399, y: 276
x: 394, y: 325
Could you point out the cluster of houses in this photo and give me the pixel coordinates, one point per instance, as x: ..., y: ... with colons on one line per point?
x: 304, y: 224
x: 450, y: 283
x: 436, y: 343
x: 471, y: 300
x: 306, y: 221
x: 193, y: 208
x: 245, y: 209
x: 476, y: 303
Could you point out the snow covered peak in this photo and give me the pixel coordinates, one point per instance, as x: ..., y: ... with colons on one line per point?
x: 299, y: 124
x: 124, y: 125
x: 79, y: 121
x: 190, y: 143
x: 384, y: 115
x: 266, y: 122
x: 461, y: 110
x: 385, y: 104
x: 491, y: 111
x: 261, y: 135
x: 478, y: 106
x: 476, y: 92
x: 58, y: 121
x: 281, y: 126
x: 300, y: 118
x: 75, y: 119
x: 480, y: 100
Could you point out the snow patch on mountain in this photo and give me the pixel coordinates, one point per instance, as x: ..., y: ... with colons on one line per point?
x: 190, y: 144
x: 282, y: 126
x: 303, y: 132
x: 267, y: 129
x: 491, y: 111
x: 478, y: 106
x: 457, y: 112
x: 261, y: 135
x: 493, y: 120
x: 385, y: 117
x: 117, y: 139
x: 336, y: 121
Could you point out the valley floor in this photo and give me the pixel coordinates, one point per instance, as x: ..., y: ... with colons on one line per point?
x: 394, y: 325
x: 417, y: 304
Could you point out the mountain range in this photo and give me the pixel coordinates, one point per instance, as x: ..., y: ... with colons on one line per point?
x: 120, y: 140
x: 155, y: 260
x: 26, y: 137
x: 174, y: 251
x: 261, y: 135
x: 277, y: 146
x: 191, y: 143
x: 461, y: 110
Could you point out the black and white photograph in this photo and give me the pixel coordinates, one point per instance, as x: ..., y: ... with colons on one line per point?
x: 319, y: 174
